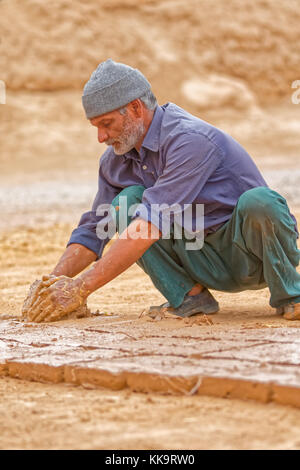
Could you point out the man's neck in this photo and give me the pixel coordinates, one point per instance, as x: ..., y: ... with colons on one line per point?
x: 148, y: 116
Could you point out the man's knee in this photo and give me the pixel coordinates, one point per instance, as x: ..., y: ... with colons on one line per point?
x: 124, y: 204
x: 132, y: 195
x: 260, y: 203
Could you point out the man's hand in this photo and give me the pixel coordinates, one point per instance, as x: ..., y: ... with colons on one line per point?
x: 34, y: 292
x: 54, y: 297
x: 58, y: 295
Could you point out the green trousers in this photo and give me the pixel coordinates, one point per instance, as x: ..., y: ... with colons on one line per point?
x: 256, y: 248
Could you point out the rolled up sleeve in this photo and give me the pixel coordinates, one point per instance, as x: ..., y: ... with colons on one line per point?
x: 86, y: 232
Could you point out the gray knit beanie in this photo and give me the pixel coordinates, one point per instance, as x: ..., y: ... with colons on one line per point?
x: 111, y: 86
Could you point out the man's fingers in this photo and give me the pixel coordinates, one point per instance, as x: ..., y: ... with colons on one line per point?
x: 43, y: 293
x: 43, y: 305
x: 45, y: 313
x: 56, y: 315
x: 35, y: 290
x: 33, y: 308
x: 36, y: 310
x: 48, y: 282
x: 32, y: 296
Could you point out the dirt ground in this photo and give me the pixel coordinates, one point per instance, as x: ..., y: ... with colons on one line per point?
x: 36, y: 416
x: 245, y: 59
x: 42, y: 416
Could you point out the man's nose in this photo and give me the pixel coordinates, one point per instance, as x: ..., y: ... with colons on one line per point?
x: 102, y: 135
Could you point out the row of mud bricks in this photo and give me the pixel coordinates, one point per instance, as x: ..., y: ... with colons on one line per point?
x: 152, y: 383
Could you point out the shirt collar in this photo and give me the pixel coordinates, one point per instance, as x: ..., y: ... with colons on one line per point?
x: 151, y: 140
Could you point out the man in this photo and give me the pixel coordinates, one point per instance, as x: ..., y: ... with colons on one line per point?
x: 162, y: 155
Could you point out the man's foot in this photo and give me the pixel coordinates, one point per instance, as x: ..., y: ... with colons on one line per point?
x: 191, y: 305
x: 289, y: 311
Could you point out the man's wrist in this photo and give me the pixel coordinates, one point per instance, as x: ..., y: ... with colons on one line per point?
x: 83, y: 288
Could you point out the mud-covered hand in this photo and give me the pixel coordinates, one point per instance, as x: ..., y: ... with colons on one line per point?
x: 34, y: 292
x: 53, y: 298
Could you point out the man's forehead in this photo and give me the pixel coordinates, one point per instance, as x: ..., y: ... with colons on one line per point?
x: 98, y: 119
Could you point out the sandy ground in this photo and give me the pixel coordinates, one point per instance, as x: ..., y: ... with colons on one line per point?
x: 41, y: 416
x: 36, y: 416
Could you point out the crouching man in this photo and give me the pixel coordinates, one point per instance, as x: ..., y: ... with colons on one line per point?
x: 163, y: 156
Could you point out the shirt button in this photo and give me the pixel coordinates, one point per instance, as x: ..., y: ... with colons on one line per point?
x: 145, y: 167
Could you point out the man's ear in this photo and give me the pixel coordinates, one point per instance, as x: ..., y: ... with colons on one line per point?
x: 136, y: 107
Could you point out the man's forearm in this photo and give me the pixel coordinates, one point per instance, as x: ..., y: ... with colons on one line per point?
x: 123, y: 253
x: 74, y: 260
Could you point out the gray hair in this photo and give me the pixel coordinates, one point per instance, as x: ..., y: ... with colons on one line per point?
x: 148, y: 99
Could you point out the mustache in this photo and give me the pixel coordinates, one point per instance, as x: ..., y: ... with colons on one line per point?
x: 110, y: 142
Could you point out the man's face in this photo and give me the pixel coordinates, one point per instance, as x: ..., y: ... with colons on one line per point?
x: 122, y: 131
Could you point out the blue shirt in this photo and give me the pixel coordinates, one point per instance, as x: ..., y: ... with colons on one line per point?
x: 183, y: 160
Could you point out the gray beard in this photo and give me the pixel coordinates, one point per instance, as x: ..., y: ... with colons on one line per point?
x: 132, y: 133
